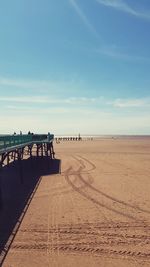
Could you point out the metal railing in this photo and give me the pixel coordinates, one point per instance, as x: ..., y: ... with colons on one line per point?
x: 7, y: 141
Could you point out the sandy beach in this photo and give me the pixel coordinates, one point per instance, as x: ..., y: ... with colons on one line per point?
x: 92, y: 210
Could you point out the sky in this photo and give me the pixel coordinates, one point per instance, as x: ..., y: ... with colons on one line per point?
x: 75, y: 66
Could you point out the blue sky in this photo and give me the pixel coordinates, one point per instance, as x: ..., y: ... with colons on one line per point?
x: 70, y: 66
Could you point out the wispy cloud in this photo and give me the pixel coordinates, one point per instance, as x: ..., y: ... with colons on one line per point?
x: 130, y: 103
x: 83, y: 17
x: 81, y: 100
x: 31, y: 102
x: 123, y: 6
x: 28, y: 99
x: 117, y: 52
x: 49, y: 100
x: 113, y: 51
x: 40, y: 111
x: 40, y: 86
x: 24, y: 83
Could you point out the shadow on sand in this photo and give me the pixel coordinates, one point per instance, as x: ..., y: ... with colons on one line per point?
x: 17, y: 193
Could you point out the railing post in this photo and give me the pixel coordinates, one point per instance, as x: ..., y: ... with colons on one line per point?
x: 53, y: 153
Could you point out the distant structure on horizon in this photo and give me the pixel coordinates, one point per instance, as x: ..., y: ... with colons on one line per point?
x: 68, y: 138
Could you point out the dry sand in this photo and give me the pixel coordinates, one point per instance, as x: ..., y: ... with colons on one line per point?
x: 96, y: 212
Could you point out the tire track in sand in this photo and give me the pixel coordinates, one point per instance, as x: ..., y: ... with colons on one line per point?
x: 118, y: 201
x: 95, y: 239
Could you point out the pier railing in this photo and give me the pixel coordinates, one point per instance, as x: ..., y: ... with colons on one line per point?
x: 7, y: 141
